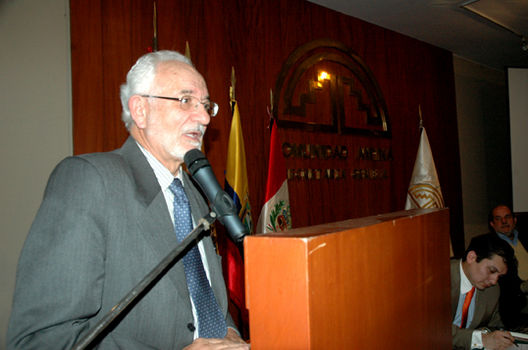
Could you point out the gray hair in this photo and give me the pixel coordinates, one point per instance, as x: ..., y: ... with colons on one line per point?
x: 141, y: 75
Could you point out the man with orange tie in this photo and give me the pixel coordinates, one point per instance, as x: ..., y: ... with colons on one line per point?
x: 475, y: 294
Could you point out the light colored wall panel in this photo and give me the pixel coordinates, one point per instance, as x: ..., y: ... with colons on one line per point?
x: 483, y: 132
x: 518, y: 98
x: 35, y: 119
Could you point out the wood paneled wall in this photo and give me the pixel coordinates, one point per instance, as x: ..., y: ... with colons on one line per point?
x: 256, y: 37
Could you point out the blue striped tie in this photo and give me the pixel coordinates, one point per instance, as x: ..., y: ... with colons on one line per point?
x: 211, y: 322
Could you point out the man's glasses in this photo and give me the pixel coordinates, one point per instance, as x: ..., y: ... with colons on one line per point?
x: 188, y: 102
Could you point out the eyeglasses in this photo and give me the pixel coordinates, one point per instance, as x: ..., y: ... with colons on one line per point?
x: 188, y: 102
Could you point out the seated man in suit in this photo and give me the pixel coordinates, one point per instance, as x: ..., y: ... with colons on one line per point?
x: 503, y: 221
x: 513, y: 305
x: 475, y: 294
x: 107, y: 219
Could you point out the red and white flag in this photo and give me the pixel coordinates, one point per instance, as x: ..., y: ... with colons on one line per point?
x: 275, y: 214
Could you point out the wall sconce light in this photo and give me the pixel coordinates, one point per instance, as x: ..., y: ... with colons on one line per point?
x: 321, y: 77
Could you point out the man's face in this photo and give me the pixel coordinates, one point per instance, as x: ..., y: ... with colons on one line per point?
x: 170, y: 131
x: 485, y: 273
x: 503, y: 220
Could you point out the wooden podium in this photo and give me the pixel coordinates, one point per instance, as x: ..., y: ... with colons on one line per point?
x: 380, y: 282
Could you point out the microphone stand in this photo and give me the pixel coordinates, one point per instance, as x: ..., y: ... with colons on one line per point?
x: 148, y: 281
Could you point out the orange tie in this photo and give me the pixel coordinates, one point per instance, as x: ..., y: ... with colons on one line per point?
x: 465, y: 307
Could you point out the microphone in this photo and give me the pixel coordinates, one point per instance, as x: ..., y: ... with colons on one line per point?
x: 221, y: 203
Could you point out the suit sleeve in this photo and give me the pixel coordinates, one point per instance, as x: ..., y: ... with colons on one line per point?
x: 61, y: 267
x: 461, y: 338
x: 495, y: 321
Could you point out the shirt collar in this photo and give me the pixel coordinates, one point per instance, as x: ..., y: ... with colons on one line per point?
x: 507, y: 239
x: 465, y: 285
x: 164, y: 176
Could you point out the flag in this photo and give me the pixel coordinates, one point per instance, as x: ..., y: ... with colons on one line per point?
x: 424, y: 189
x: 236, y: 180
x: 236, y: 186
x: 275, y: 214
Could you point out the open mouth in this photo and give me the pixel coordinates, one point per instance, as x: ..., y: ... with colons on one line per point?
x: 194, y: 135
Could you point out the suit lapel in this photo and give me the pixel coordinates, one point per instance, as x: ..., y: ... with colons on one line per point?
x: 480, y: 308
x: 156, y: 226
x: 153, y: 219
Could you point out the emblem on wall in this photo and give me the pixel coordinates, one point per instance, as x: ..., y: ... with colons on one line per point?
x: 325, y: 87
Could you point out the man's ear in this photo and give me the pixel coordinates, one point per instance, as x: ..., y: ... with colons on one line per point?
x: 138, y: 110
x: 471, y: 257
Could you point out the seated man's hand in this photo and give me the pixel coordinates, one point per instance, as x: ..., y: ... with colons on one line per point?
x: 498, y: 340
x: 231, y: 342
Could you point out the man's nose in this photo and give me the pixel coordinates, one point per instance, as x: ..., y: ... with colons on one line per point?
x: 201, y: 115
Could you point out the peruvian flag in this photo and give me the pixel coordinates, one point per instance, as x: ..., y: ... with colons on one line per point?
x: 275, y: 214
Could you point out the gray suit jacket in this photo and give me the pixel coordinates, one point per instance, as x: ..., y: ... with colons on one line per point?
x: 486, y: 309
x: 102, y: 226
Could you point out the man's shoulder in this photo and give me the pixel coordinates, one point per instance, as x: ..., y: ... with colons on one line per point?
x: 105, y: 163
x: 85, y: 166
x: 102, y: 158
x: 454, y: 263
x: 490, y: 294
x: 523, y: 237
x: 115, y: 160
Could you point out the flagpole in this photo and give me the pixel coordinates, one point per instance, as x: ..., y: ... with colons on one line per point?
x: 236, y: 185
x: 232, y: 98
x: 155, y: 28
x: 271, y: 102
x: 420, y: 115
x: 270, y: 111
x: 187, y: 51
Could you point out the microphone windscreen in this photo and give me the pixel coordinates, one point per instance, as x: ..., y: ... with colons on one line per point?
x: 195, y: 160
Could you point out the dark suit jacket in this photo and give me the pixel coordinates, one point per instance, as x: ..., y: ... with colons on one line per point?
x: 512, y: 300
x: 102, y: 226
x: 486, y: 309
x: 522, y: 227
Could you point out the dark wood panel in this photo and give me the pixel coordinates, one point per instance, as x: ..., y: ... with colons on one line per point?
x: 256, y: 37
x: 87, y: 76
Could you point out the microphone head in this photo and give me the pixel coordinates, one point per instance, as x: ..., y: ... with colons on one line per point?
x: 195, y: 160
x: 219, y: 200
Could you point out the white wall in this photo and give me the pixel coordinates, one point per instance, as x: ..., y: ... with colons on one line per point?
x: 35, y: 120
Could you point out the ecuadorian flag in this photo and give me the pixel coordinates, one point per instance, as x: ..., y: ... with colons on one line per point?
x: 236, y: 185
x: 236, y: 180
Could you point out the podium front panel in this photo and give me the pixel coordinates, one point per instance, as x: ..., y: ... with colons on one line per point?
x: 369, y: 283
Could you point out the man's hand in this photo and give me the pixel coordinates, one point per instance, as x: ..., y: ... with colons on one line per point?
x: 498, y: 340
x: 231, y: 342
